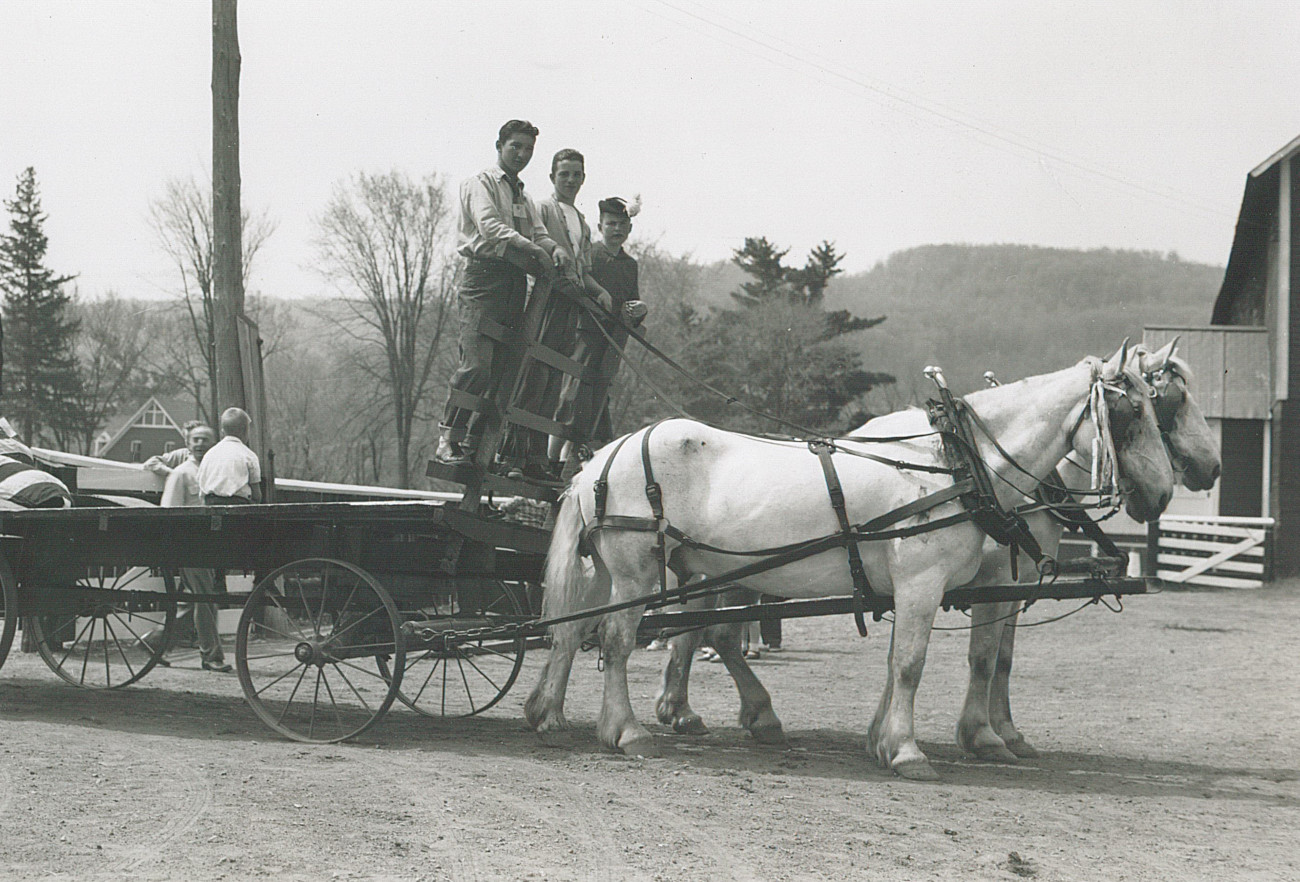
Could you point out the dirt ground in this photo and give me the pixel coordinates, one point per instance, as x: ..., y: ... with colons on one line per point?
x: 1169, y: 737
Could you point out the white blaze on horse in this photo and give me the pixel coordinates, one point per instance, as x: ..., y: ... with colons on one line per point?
x: 985, y: 728
x: 737, y: 492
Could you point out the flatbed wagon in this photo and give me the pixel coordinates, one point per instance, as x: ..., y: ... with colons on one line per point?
x: 355, y: 605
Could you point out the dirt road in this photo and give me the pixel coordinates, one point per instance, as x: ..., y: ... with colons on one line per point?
x: 1170, y: 738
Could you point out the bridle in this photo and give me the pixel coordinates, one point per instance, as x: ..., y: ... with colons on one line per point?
x: 1109, y: 419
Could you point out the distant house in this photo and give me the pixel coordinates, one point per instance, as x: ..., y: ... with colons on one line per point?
x: 150, y: 430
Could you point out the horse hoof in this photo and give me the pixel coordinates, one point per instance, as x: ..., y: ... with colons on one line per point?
x: 994, y: 753
x: 691, y: 725
x: 643, y: 746
x: 1022, y: 749
x: 916, y: 770
x: 773, y: 735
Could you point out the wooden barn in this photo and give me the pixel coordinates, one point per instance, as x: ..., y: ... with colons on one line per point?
x: 1247, y: 363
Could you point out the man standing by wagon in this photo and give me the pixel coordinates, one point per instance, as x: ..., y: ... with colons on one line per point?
x: 503, y: 242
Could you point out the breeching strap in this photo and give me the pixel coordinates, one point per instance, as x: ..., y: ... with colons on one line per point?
x: 861, y: 587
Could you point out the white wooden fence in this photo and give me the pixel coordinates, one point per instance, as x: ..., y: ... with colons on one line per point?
x: 1225, y: 552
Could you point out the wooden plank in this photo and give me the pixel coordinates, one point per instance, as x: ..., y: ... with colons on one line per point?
x: 1201, y: 545
x: 1237, y: 566
x: 1212, y: 581
x: 1213, y: 530
x: 109, y: 478
x: 1217, y: 519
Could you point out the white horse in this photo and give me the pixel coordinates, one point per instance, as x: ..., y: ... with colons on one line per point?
x: 733, y: 491
x: 985, y: 728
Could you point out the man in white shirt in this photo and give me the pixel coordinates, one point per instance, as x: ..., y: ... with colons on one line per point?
x: 230, y: 473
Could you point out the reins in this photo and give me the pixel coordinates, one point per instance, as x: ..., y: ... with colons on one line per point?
x: 952, y: 420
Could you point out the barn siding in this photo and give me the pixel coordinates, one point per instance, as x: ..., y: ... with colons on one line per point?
x: 1286, y: 428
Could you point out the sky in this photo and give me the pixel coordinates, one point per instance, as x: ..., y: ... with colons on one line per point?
x: 878, y: 125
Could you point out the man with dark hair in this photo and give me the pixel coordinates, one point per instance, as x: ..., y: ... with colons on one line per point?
x: 566, y: 225
x: 503, y: 242
x: 582, y: 403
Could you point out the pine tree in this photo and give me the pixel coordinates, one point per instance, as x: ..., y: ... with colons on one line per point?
x: 42, y: 389
x: 781, y: 351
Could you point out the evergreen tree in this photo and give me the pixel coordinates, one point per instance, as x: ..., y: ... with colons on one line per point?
x: 781, y: 351
x: 42, y: 391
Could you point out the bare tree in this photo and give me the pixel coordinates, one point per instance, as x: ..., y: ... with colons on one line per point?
x: 382, y: 241
x: 115, y: 337
x: 182, y: 220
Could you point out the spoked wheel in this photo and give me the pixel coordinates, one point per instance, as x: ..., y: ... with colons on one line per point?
x: 467, y: 677
x: 111, y: 630
x: 8, y: 609
x: 305, y: 648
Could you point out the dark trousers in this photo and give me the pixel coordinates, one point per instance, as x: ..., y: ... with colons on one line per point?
x: 496, y: 290
x: 583, y: 403
x: 214, y: 499
x: 539, y: 390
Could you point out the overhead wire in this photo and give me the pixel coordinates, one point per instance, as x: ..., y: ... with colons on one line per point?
x: 799, y: 60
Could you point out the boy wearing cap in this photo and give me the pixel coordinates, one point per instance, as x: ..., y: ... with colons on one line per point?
x: 582, y: 404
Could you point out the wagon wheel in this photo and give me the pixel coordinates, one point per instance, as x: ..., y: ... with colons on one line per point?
x: 8, y: 609
x: 304, y: 647
x: 469, y: 677
x: 96, y: 640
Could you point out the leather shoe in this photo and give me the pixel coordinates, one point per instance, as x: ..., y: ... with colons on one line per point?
x: 450, y: 453
x: 217, y: 667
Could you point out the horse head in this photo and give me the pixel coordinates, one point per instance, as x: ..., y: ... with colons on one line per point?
x: 1193, y: 449
x: 1145, y: 476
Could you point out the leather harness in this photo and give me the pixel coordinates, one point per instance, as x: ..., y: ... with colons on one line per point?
x: 972, y: 485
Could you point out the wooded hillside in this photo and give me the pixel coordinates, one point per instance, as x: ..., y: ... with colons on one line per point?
x: 1014, y: 309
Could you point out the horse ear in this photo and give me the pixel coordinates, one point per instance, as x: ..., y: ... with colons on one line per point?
x: 1115, y: 364
x: 1162, y: 355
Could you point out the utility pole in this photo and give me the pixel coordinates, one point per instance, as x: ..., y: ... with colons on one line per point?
x: 227, y: 257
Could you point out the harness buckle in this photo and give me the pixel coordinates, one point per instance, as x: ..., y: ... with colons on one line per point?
x: 655, y: 495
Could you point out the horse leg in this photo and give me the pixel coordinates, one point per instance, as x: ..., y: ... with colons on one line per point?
x: 1000, y: 695
x: 617, y: 725
x: 756, y: 712
x: 893, y: 733
x: 544, y: 708
x: 672, y: 705
x: 975, y: 734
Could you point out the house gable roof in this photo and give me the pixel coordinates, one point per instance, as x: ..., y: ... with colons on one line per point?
x: 175, y: 410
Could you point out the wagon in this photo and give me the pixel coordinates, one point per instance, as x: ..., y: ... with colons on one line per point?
x: 355, y: 606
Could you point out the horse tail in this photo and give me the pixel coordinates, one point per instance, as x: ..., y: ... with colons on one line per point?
x: 566, y: 576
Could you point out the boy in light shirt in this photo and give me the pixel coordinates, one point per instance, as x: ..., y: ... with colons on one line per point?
x: 230, y: 473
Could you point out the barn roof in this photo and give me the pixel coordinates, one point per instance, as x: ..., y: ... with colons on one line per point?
x: 1242, y: 294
